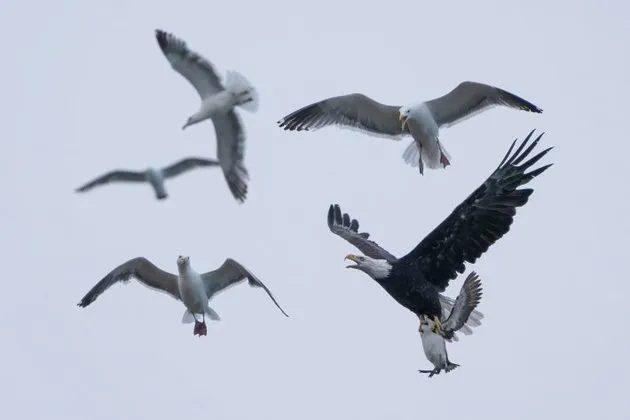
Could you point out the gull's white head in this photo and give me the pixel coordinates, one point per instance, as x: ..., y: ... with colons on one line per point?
x: 190, y: 121
x: 403, y: 114
x: 426, y: 324
x: 377, y: 269
x: 196, y: 118
x: 182, y: 261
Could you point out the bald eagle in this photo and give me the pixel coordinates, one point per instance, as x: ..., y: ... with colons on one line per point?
x: 416, y: 280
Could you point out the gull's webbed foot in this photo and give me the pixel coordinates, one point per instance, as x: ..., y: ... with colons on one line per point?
x: 200, y: 328
x: 435, y: 371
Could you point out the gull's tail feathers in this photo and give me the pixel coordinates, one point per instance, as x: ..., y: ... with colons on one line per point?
x: 435, y: 158
x: 188, y: 317
x: 246, y: 93
x: 411, y: 155
x: 212, y: 314
x: 435, y: 155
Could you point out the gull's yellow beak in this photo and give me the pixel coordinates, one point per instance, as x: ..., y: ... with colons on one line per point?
x: 403, y: 120
x: 352, y: 258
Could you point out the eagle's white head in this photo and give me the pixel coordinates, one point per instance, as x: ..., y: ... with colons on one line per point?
x: 377, y: 269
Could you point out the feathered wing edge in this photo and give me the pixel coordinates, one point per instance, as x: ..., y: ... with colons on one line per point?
x: 140, y: 268
x: 342, y: 225
x: 466, y: 302
x: 473, y: 321
x: 230, y: 273
x: 353, y: 111
x: 480, y: 220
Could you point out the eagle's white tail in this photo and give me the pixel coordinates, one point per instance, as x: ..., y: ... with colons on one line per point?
x: 245, y: 91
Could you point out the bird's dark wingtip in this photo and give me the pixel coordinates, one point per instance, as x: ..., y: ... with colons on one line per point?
x: 161, y: 36
x: 331, y: 215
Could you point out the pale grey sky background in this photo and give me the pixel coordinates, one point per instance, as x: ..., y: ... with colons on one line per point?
x: 85, y: 89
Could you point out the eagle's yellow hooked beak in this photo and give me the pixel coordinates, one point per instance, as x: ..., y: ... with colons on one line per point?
x: 352, y: 258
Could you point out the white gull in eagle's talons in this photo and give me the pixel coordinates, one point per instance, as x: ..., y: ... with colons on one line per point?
x: 434, y: 347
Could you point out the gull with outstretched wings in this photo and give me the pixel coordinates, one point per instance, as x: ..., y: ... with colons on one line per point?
x: 420, y: 120
x: 191, y: 288
x: 154, y: 176
x: 218, y: 102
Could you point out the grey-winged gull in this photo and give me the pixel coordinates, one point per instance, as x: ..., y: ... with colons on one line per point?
x: 154, y: 176
x: 434, y: 344
x: 188, y: 286
x: 421, y: 120
x: 217, y: 103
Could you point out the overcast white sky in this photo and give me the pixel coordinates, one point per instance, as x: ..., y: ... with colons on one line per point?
x: 85, y: 89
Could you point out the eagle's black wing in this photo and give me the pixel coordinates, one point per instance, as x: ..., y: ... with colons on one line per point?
x: 342, y: 225
x: 479, y: 221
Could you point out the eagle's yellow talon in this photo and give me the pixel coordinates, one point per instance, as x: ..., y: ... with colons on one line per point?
x: 437, y: 328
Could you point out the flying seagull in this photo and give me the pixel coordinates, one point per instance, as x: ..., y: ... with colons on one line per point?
x: 217, y: 103
x: 153, y: 176
x: 192, y: 288
x: 433, y: 344
x: 416, y: 280
x: 421, y: 120
x: 343, y: 225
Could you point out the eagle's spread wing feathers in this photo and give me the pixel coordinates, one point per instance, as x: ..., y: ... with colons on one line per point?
x: 348, y: 229
x: 479, y: 221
